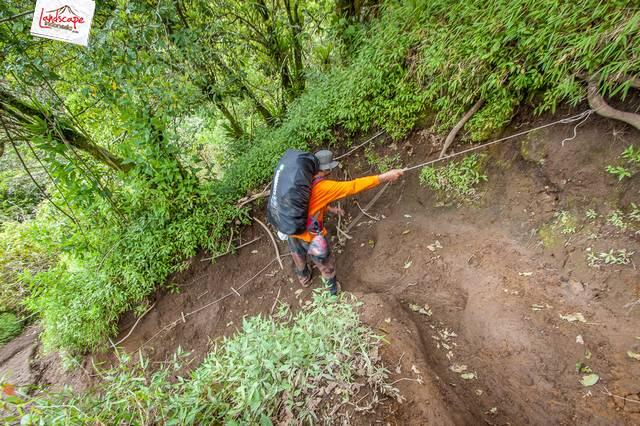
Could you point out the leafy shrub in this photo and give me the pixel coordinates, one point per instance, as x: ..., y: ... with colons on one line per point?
x: 383, y: 163
x: 26, y: 248
x: 433, y: 57
x: 10, y: 326
x: 457, y: 180
x: 268, y: 370
x: 631, y: 157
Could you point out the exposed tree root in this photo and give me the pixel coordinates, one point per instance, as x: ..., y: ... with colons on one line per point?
x: 598, y: 104
x: 452, y: 134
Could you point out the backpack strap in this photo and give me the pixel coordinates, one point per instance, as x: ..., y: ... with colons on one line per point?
x: 314, y: 225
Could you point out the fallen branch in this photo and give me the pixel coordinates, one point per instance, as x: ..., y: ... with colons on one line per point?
x: 246, y: 200
x: 452, y: 134
x: 275, y: 302
x: 606, y: 392
x: 365, y: 213
x: 368, y: 206
x: 229, y: 251
x: 359, y: 146
x: 134, y: 326
x: 344, y: 234
x: 273, y: 240
x: 598, y: 104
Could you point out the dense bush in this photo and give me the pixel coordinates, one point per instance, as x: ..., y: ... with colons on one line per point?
x: 270, y: 369
x: 10, y: 327
x: 456, y: 181
x: 419, y: 58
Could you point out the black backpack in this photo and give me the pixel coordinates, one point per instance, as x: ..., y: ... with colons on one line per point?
x: 288, y: 204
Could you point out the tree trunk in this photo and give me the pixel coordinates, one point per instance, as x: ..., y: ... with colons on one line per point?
x: 295, y: 23
x: 22, y: 114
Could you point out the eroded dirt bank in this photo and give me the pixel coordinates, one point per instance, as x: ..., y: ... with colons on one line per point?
x: 495, y: 276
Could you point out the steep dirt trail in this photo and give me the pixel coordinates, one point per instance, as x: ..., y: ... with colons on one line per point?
x: 495, y: 277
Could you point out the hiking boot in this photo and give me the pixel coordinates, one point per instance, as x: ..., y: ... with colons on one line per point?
x: 333, y: 286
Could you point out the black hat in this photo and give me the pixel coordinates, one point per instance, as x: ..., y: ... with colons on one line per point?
x: 325, y: 158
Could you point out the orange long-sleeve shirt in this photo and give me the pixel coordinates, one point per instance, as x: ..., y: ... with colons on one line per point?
x: 327, y: 191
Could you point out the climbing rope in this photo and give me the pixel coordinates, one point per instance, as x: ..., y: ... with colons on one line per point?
x: 582, y: 117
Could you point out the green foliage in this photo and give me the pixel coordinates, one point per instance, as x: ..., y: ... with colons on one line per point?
x: 267, y: 369
x: 381, y: 163
x: 611, y: 257
x: 457, y: 180
x: 159, y: 84
x: 565, y: 222
x: 631, y: 157
x: 10, y: 327
x: 27, y: 248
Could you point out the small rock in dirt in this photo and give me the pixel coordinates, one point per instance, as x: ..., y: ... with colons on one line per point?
x: 406, y: 231
x: 387, y: 320
x: 408, y: 216
x: 469, y: 376
x: 579, y: 339
x: 415, y: 369
x: 525, y: 274
x: 254, y: 251
x: 408, y: 264
x: 479, y: 392
x: 493, y: 411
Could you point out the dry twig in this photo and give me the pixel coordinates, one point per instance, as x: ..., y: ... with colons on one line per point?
x: 273, y: 240
x: 229, y: 251
x: 134, y: 325
x: 452, y: 134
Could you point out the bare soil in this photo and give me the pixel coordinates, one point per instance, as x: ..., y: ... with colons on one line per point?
x: 495, y: 277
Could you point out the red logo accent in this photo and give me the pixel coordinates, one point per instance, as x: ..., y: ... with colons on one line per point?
x: 63, y: 18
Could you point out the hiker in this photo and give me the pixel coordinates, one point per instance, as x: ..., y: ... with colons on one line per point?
x: 313, y: 240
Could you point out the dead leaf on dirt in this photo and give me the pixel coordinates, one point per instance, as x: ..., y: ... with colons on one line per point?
x: 415, y: 369
x: 573, y: 317
x: 406, y: 231
x: 479, y: 392
x: 469, y: 376
x: 424, y: 310
x: 298, y: 292
x: 387, y: 320
x: 525, y: 274
x: 589, y: 380
x: 449, y: 355
x: 408, y: 264
x: 458, y: 368
x: 494, y: 411
x: 579, y: 339
x: 633, y: 355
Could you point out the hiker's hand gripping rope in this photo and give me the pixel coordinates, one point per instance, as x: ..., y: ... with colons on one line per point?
x: 391, y: 175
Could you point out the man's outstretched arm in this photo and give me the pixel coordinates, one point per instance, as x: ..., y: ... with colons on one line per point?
x: 335, y: 190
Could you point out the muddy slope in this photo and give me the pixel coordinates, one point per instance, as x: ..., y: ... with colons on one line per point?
x: 495, y: 277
